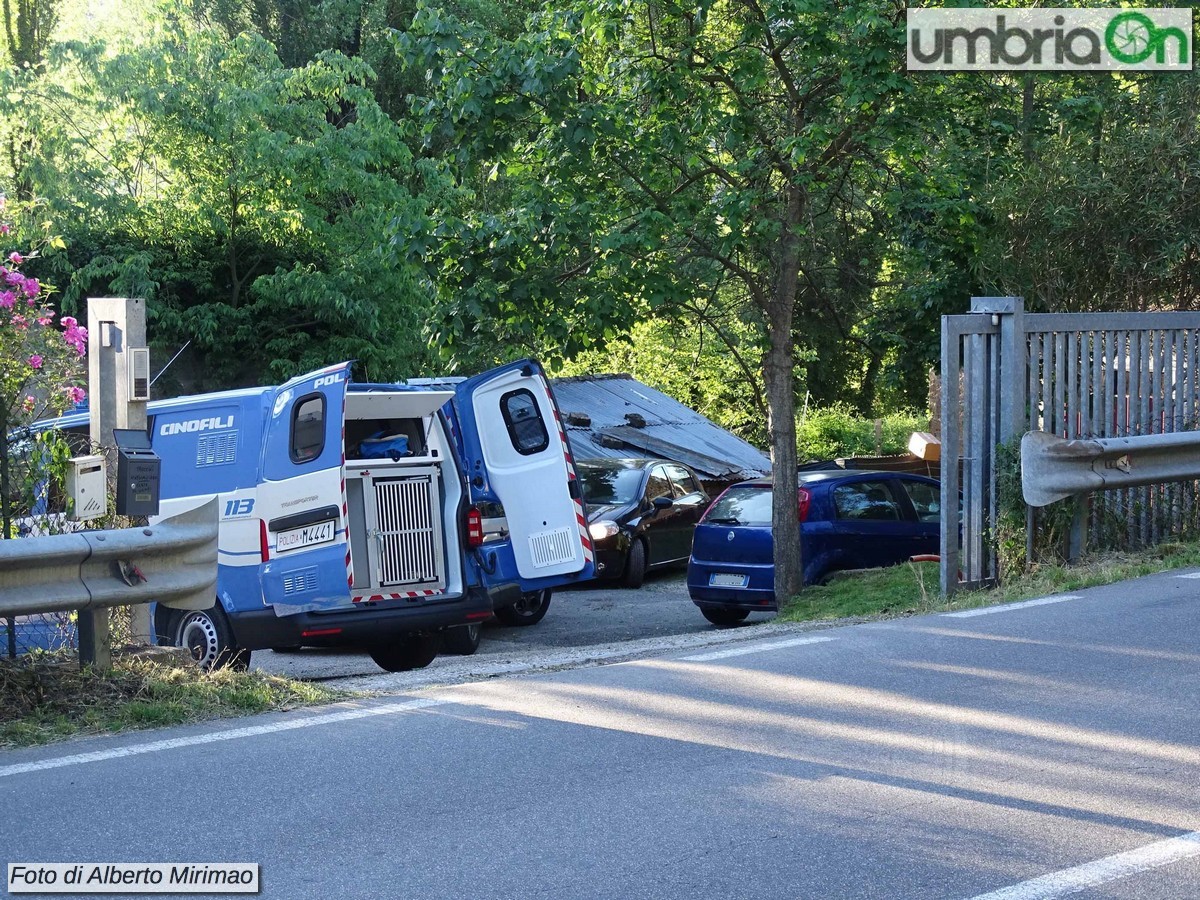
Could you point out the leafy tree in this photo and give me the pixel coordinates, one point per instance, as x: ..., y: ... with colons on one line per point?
x: 653, y: 150
x: 248, y: 202
x: 1098, y: 215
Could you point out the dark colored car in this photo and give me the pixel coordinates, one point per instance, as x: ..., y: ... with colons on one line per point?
x: 641, y: 514
x: 849, y: 520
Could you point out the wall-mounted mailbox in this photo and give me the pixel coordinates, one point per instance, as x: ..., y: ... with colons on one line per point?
x: 138, y: 473
x: 87, y: 488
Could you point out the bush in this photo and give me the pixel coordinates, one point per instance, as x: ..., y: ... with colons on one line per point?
x: 838, y: 431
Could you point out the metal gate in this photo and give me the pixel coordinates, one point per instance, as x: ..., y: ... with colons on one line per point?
x: 1005, y: 371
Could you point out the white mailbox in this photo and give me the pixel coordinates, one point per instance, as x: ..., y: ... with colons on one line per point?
x: 87, y: 487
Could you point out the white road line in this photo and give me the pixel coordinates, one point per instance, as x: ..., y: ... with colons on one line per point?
x: 754, y: 648
x: 988, y: 610
x: 212, y: 737
x: 1189, y: 575
x: 1101, y: 871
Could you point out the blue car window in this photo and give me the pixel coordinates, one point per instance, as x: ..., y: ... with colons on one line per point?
x: 926, y: 500
x: 741, y: 506
x: 869, y: 500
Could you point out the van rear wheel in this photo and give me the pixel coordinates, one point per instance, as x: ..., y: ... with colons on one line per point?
x: 208, y: 637
x: 724, y: 615
x: 529, y: 610
x: 407, y: 652
x: 462, y: 640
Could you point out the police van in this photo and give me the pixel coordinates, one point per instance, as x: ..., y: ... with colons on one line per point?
x: 394, y: 517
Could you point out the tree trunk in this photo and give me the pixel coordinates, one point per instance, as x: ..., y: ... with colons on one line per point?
x: 778, y: 368
x: 781, y: 402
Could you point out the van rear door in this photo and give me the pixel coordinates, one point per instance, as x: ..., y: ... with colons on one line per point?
x: 517, y: 456
x: 301, y: 498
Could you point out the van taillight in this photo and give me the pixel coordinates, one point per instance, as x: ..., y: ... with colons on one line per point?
x: 802, y: 499
x: 474, y: 527
x: 263, y: 547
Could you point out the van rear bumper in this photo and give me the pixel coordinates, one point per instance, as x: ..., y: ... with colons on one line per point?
x: 257, y: 629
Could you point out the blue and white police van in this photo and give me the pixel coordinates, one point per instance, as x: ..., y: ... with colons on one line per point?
x: 395, y: 517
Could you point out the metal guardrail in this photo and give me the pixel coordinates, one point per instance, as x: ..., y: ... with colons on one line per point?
x: 172, y: 562
x: 1053, y: 468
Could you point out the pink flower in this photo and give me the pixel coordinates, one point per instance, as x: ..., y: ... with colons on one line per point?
x: 7, y: 299
x: 36, y: 361
x: 20, y: 322
x: 76, y: 395
x: 46, y: 319
x: 31, y: 287
x: 13, y: 277
x: 5, y: 228
x: 74, y: 335
x: 16, y: 258
x: 28, y: 404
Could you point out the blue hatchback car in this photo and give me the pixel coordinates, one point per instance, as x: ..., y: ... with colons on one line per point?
x: 848, y: 520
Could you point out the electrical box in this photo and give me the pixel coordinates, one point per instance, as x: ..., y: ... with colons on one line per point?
x: 138, y: 473
x: 139, y: 373
x: 87, y: 488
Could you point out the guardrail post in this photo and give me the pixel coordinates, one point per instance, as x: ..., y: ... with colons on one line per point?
x: 95, y: 640
x: 1077, y: 539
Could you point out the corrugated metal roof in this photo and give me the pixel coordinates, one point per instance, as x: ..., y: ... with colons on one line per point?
x: 614, y: 404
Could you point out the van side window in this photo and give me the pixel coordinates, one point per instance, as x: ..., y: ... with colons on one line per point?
x: 526, y: 429
x: 308, y: 428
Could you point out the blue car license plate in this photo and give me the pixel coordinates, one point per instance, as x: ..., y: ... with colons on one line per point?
x: 720, y: 579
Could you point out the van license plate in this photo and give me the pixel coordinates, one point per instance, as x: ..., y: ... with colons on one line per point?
x: 306, y: 536
x: 721, y: 580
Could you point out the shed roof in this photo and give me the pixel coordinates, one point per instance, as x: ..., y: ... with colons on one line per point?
x: 617, y: 416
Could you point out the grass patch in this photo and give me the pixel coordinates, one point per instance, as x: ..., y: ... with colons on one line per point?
x: 45, y: 697
x: 912, y: 588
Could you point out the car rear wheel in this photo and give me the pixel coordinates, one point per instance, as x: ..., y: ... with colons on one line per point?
x: 723, y: 616
x: 462, y: 640
x: 529, y: 610
x: 407, y: 652
x: 635, y: 565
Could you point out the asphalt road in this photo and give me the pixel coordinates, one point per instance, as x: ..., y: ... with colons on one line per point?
x: 1030, y: 752
x: 600, y: 614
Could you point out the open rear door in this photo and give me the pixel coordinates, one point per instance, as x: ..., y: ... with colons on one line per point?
x: 517, y: 455
x: 301, y: 500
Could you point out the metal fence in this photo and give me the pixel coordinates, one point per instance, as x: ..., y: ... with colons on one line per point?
x: 48, y: 631
x: 1076, y: 375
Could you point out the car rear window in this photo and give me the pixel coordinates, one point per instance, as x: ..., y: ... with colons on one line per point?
x: 741, y: 506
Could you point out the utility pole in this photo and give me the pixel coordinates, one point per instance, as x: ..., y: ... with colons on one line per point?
x: 118, y: 388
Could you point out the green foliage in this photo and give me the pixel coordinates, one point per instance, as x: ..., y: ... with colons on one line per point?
x: 251, y: 207
x: 912, y: 588
x: 1093, y: 215
x: 904, y: 590
x: 838, y: 431
x: 1051, y: 524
